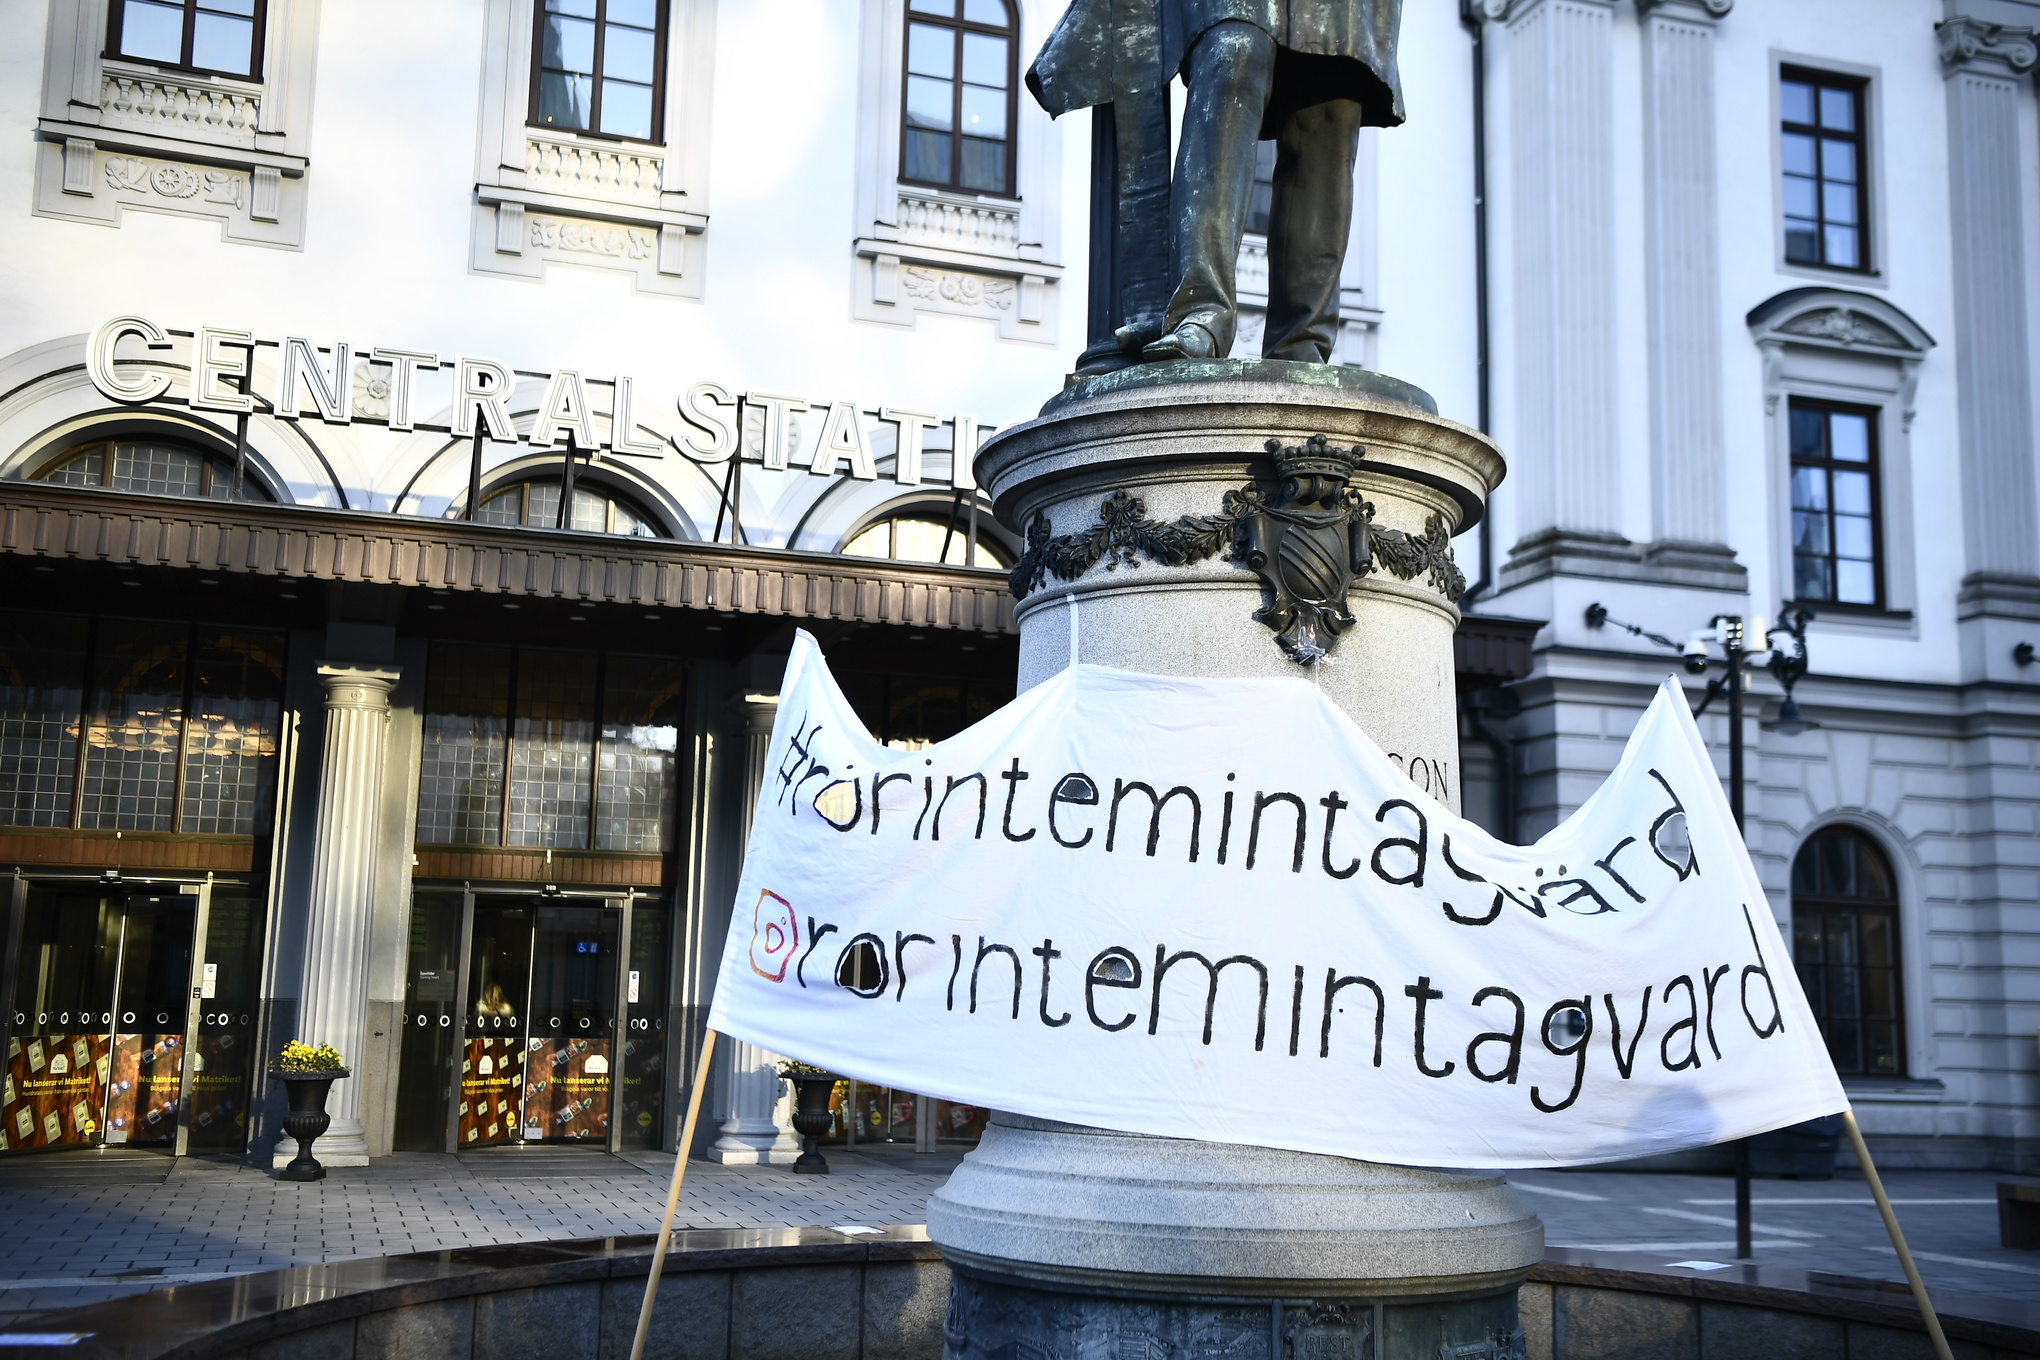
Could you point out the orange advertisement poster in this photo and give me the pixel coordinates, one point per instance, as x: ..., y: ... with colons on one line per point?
x: 491, y: 1091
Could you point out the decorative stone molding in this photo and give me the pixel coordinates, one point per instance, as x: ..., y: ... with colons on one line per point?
x: 331, y: 1000
x: 1685, y: 9
x: 609, y: 172
x: 1988, y: 179
x: 545, y: 196
x: 181, y: 106
x: 1682, y: 278
x: 1839, y: 344
x: 1509, y: 11
x: 1995, y: 49
x: 1837, y: 319
x: 918, y: 249
x: 116, y: 133
x: 1562, y: 227
x: 928, y: 219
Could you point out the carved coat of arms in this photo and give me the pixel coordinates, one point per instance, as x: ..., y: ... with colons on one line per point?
x: 1308, y: 544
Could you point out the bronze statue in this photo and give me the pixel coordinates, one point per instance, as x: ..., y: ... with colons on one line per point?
x: 1308, y: 74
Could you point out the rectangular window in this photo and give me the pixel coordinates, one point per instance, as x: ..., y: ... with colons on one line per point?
x: 179, y: 725
x: 958, y: 103
x: 221, y: 36
x: 640, y: 753
x: 42, y: 693
x: 552, y: 749
x: 236, y: 695
x: 599, y: 66
x: 1835, y: 532
x: 1827, y: 219
x: 543, y: 747
x: 460, y: 778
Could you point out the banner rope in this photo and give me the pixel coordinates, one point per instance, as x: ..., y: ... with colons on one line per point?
x: 644, y: 1321
x: 1070, y: 599
x: 1912, y: 1272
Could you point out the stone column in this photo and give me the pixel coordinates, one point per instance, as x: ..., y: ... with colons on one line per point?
x: 1070, y: 1241
x: 1987, y: 183
x: 755, y: 1127
x: 334, y: 996
x: 1562, y: 162
x: 1683, y: 286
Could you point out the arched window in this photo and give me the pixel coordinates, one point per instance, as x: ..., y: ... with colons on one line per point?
x: 154, y: 467
x: 957, y: 132
x: 536, y: 505
x: 1845, y: 946
x: 926, y: 536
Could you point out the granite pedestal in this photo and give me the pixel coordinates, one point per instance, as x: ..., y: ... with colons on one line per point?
x: 1076, y: 1243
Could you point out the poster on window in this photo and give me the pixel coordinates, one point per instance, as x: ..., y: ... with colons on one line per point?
x: 1215, y: 909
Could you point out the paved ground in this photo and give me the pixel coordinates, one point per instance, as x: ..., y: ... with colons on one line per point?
x: 79, y: 1229
x: 1949, y: 1218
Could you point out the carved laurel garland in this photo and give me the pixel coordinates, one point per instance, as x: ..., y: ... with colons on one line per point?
x: 1124, y: 533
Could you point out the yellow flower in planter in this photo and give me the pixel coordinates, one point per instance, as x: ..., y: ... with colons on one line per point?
x: 298, y: 1056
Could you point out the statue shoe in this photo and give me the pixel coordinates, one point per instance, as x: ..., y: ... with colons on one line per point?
x: 1188, y: 341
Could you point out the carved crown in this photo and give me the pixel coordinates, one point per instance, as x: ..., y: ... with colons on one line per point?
x: 1315, y: 456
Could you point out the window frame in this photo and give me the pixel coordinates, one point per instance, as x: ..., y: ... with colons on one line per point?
x: 611, y: 496
x: 661, y: 32
x: 958, y: 25
x: 209, y: 467
x: 1858, y: 88
x: 952, y: 515
x: 116, y: 16
x: 101, y: 638
x: 1821, y: 905
x: 603, y: 704
x: 1873, y: 418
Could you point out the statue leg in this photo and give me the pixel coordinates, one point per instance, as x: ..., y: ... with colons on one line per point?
x: 1231, y: 70
x: 1309, y: 220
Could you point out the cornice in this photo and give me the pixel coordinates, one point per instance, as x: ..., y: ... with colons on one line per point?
x: 1993, y: 49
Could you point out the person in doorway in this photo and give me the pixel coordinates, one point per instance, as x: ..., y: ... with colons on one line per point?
x: 494, y: 1002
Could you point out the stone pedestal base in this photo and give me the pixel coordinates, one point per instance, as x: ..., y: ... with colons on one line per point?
x: 1148, y: 497
x: 1063, y: 1238
x: 993, y: 1316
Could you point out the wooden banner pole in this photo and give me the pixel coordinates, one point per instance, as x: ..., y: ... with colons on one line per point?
x: 644, y: 1321
x: 1912, y: 1272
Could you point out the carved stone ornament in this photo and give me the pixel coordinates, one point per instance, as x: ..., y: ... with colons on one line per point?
x: 1844, y: 326
x: 1308, y: 543
x: 1498, y: 1345
x: 1965, y: 40
x: 1328, y: 1331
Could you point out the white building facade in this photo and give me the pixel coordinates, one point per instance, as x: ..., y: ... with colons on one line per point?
x: 472, y: 397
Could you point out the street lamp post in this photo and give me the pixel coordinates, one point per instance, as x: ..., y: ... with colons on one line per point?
x: 1728, y: 632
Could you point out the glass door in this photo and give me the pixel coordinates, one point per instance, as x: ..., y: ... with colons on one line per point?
x: 539, y: 1059
x: 433, y: 1030
x: 101, y: 1018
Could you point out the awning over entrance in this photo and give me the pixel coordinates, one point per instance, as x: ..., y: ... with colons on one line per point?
x: 83, y: 524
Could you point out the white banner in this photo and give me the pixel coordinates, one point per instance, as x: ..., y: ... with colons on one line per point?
x: 1215, y: 909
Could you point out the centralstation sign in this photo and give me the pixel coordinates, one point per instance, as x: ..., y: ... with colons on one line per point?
x: 340, y: 384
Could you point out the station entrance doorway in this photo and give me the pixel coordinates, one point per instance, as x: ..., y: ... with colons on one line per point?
x: 531, y: 1018
x: 130, y: 1015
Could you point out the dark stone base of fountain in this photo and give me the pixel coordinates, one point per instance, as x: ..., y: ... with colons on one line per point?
x: 997, y: 1319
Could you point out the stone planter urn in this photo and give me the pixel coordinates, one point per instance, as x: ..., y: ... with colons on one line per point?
x: 811, y: 1119
x: 307, y: 1117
